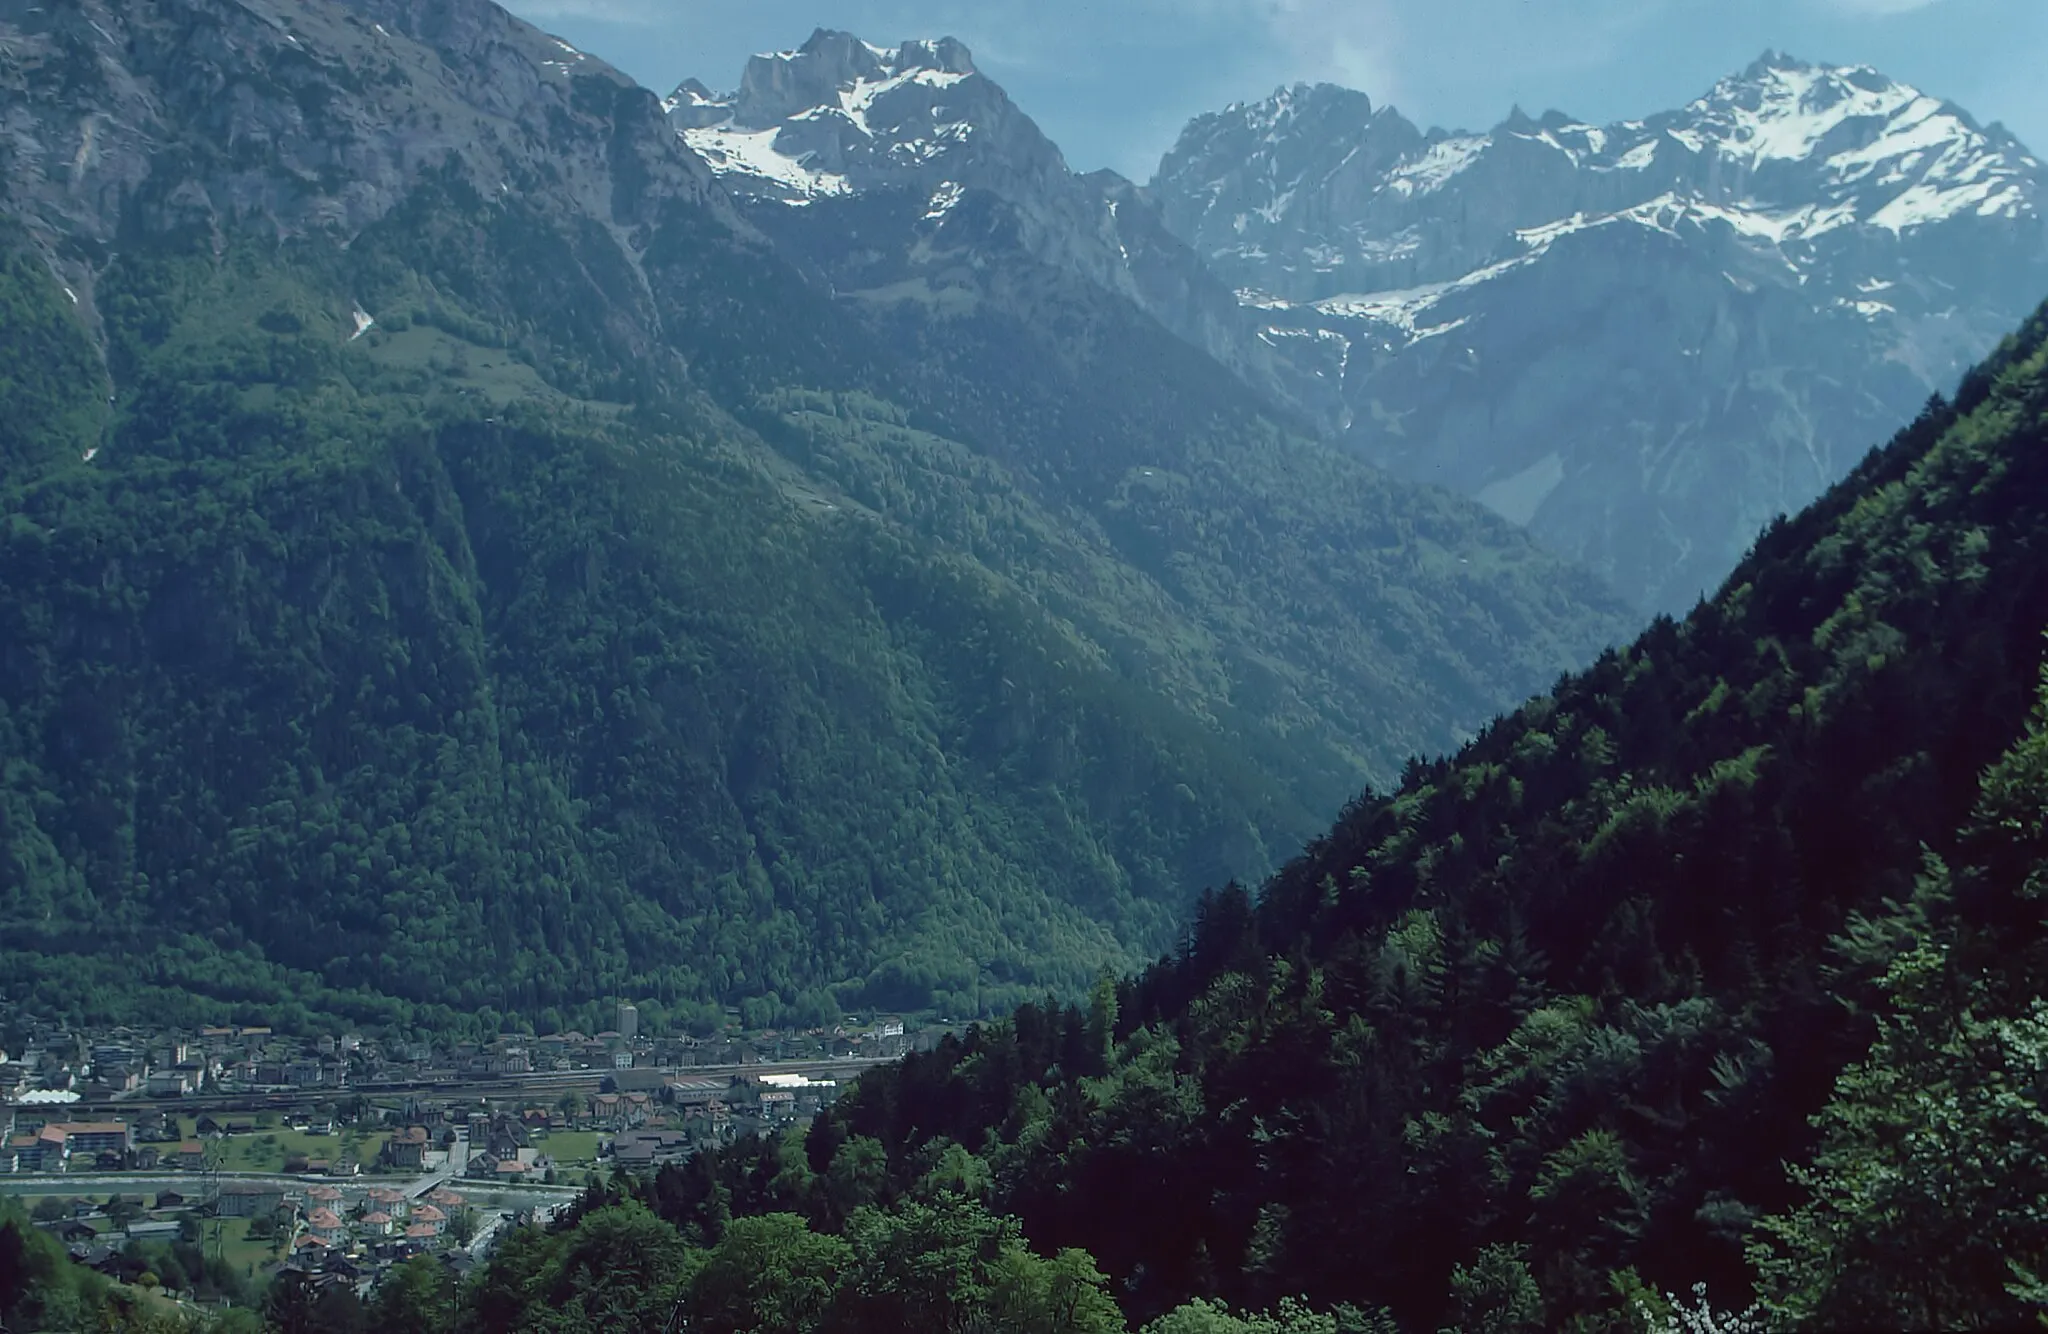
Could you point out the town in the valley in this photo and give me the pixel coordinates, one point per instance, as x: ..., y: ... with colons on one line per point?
x: 340, y: 1155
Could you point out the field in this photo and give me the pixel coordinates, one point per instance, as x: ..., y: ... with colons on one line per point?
x: 269, y: 1147
x: 571, y: 1148
x: 253, y: 1258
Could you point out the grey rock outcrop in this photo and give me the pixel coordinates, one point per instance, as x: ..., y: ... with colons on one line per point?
x: 216, y: 115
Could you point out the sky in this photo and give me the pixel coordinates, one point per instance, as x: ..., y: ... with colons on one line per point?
x: 1113, y: 83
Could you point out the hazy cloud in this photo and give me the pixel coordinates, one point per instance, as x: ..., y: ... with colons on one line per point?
x: 1353, y: 42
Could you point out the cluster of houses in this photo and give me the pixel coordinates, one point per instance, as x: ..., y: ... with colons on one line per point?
x: 42, y: 1137
x: 377, y: 1221
x: 55, y: 1146
x: 126, y: 1061
x: 314, y: 1227
x: 496, y: 1148
x: 380, y: 1220
x: 650, y: 1115
x: 693, y: 1113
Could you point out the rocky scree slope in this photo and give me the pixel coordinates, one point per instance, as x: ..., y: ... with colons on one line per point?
x: 1641, y: 340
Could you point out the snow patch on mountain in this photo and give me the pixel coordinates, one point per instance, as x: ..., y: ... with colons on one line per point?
x: 943, y: 200
x: 1788, y: 111
x: 862, y: 96
x: 1639, y: 158
x: 752, y: 155
x: 832, y: 117
x: 1715, y: 305
x: 1906, y: 159
x: 1437, y: 166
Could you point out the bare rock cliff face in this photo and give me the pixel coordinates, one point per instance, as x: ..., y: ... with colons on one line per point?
x: 261, y: 115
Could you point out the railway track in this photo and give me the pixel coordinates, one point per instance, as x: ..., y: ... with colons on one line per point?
x: 541, y: 1085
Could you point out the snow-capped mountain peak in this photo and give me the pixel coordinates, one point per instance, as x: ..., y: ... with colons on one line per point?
x: 903, y: 176
x: 1576, y: 323
x: 1848, y: 135
x: 1321, y: 192
x: 837, y: 68
x: 1783, y: 109
x: 837, y: 115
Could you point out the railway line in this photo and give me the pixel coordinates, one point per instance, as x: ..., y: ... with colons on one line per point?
x: 536, y: 1086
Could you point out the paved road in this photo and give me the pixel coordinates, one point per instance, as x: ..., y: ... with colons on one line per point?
x: 480, y: 1245
x: 458, y: 1162
x: 189, y: 1184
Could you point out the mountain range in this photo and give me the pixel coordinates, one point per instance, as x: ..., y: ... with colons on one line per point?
x: 1640, y: 340
x: 836, y: 124
x: 682, y: 467
x: 464, y: 558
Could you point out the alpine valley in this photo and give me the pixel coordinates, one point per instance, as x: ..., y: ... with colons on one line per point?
x: 459, y: 558
x: 482, y: 544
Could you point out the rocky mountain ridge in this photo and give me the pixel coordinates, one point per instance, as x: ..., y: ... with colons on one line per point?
x: 840, y: 119
x: 313, y: 119
x: 1642, y: 340
x: 839, y: 115
x: 1314, y: 192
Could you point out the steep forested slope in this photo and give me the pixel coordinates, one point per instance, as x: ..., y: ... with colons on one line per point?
x: 1340, y: 611
x: 456, y: 566
x: 544, y: 701
x: 1537, y: 1033
x: 1921, y: 1208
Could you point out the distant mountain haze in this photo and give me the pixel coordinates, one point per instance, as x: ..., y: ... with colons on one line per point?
x: 1641, y: 340
x: 1052, y: 313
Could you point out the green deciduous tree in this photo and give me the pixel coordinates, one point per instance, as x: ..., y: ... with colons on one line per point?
x: 770, y: 1274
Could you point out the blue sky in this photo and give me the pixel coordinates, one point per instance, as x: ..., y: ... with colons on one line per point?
x: 1112, y: 83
